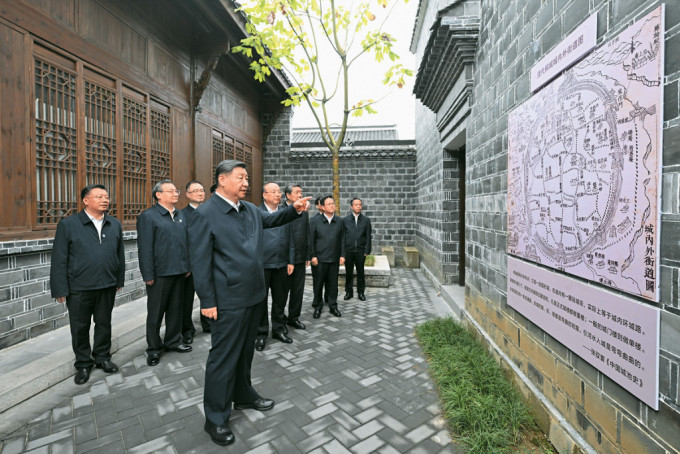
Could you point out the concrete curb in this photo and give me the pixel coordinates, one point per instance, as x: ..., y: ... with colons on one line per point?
x: 31, y: 367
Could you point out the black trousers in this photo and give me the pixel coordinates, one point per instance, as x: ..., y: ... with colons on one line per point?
x: 296, y: 285
x: 188, y: 328
x: 164, y: 299
x: 315, y: 278
x: 83, y: 307
x: 187, y: 322
x: 326, y: 275
x: 353, y: 259
x: 227, y: 370
x: 275, y: 279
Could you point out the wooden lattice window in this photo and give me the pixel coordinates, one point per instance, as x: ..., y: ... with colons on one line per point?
x: 248, y: 156
x: 134, y: 159
x: 222, y: 148
x: 160, y: 146
x: 55, y: 143
x: 226, y: 147
x: 248, y: 159
x: 229, y: 148
x: 102, y: 133
x: 217, y: 150
x: 239, y: 155
x: 100, y: 139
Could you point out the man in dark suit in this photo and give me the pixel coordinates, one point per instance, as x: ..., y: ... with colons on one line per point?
x: 88, y: 267
x: 276, y: 251
x: 164, y: 264
x: 226, y: 258
x: 297, y: 262
x: 357, y: 247
x: 196, y: 195
x: 327, y: 249
x: 319, y: 207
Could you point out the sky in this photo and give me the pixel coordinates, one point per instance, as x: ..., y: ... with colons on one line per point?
x: 396, y: 105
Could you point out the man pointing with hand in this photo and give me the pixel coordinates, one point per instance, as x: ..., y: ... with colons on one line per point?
x: 225, y: 238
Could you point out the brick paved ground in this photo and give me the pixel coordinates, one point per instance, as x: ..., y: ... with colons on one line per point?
x: 354, y: 384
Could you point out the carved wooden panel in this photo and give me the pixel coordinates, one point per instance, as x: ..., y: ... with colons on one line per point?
x: 55, y: 143
x: 167, y: 69
x: 108, y: 31
x: 63, y: 11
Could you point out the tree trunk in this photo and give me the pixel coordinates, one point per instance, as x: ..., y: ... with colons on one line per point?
x: 336, y: 179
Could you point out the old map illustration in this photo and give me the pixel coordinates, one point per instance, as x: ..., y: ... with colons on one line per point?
x: 584, y: 159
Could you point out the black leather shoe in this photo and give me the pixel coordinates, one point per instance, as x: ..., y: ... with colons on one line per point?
x: 181, y: 348
x: 259, y: 404
x: 259, y: 344
x: 107, y: 366
x: 317, y: 313
x: 362, y: 297
x: 297, y: 324
x: 336, y: 312
x: 282, y: 337
x: 152, y: 360
x: 188, y: 339
x: 82, y: 375
x: 220, y: 435
x: 348, y: 295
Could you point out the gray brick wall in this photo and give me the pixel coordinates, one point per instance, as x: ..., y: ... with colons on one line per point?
x: 437, y: 216
x: 26, y: 308
x: 509, y: 45
x: 384, y: 184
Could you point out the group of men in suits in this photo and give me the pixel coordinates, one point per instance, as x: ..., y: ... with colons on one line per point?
x: 238, y: 253
x: 335, y: 242
x: 285, y: 249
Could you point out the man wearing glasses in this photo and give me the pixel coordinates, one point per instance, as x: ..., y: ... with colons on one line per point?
x: 88, y: 267
x: 164, y: 264
x: 276, y: 250
x: 196, y: 195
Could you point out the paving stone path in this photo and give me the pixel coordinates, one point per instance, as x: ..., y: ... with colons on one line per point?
x: 355, y: 384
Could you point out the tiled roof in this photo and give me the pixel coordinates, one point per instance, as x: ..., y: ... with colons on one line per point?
x: 353, y: 134
x: 451, y: 46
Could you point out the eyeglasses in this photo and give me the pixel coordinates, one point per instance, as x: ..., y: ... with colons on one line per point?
x: 195, y: 190
x: 176, y: 191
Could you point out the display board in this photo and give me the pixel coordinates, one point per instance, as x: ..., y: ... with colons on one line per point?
x: 616, y: 335
x: 584, y: 160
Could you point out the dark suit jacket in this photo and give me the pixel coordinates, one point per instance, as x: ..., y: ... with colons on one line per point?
x: 226, y: 252
x: 276, y: 245
x: 187, y: 211
x: 299, y: 237
x: 357, y: 236
x: 80, y: 261
x: 326, y: 239
x: 161, y: 243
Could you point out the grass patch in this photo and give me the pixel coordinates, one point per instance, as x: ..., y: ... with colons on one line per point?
x: 484, y: 409
x: 370, y: 260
